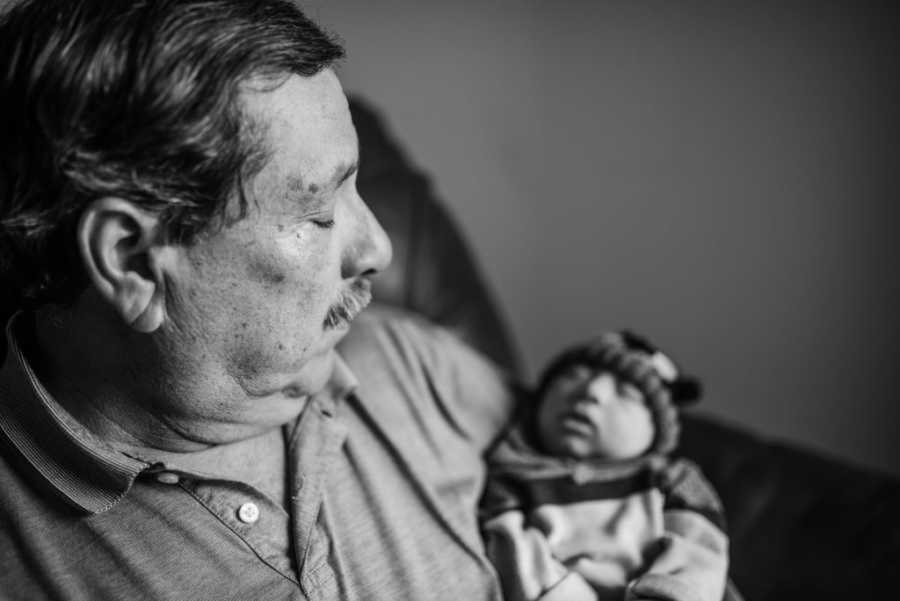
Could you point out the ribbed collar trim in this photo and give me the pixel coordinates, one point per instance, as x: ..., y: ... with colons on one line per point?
x: 85, y: 471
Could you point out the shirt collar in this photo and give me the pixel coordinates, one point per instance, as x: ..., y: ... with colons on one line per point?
x: 80, y: 468
x: 341, y: 383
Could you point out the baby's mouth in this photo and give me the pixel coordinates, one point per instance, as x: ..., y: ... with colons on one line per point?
x: 576, y: 422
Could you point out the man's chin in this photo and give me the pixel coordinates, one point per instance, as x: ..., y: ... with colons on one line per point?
x: 294, y: 381
x: 313, y: 376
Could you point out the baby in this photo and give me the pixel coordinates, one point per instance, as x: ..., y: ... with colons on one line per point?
x: 582, y: 500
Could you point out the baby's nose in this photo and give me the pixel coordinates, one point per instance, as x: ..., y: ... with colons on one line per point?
x: 602, y: 388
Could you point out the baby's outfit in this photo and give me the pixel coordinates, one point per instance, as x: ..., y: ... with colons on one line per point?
x: 582, y: 530
x: 649, y: 527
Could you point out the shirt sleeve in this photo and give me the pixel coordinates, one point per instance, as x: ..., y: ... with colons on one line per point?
x: 691, y: 560
x: 478, y: 395
x: 526, y: 566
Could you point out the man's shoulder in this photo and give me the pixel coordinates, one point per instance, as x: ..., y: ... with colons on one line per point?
x: 383, y: 337
x: 408, y: 365
x: 378, y: 321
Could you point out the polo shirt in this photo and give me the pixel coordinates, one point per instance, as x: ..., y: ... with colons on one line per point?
x: 385, y: 469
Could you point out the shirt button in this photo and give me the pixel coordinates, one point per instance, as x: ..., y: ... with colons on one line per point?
x: 248, y: 513
x: 167, y: 478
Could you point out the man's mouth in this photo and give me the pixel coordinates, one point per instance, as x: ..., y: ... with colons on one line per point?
x: 352, y: 300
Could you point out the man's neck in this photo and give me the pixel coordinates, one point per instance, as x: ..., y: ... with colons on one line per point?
x: 260, y: 461
x: 84, y: 368
x: 114, y: 381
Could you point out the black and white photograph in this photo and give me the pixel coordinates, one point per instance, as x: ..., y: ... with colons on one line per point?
x: 421, y: 300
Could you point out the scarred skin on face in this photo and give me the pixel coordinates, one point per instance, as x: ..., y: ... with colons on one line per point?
x: 247, y: 317
x: 588, y: 413
x: 180, y: 347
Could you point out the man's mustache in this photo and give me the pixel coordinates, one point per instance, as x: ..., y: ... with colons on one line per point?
x: 352, y: 300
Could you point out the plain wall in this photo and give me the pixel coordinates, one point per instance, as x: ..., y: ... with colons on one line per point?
x: 720, y: 178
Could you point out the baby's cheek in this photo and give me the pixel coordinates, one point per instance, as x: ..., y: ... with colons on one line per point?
x: 644, y: 432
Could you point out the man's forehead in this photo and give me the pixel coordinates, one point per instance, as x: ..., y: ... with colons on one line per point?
x: 310, y: 136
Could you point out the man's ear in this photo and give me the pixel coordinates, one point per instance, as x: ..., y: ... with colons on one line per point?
x: 122, y: 250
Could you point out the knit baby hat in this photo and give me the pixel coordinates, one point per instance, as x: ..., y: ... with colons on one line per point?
x: 632, y: 358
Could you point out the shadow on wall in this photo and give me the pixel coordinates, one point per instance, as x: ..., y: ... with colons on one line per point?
x: 717, y: 177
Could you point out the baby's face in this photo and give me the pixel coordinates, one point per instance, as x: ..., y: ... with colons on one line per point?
x: 588, y: 413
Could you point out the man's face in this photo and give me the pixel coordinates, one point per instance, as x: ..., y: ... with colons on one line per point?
x: 588, y: 413
x: 260, y: 305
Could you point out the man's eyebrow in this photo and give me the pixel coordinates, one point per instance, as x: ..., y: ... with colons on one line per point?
x: 297, y: 185
x: 343, y: 173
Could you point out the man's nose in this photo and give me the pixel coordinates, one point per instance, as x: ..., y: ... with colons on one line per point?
x: 602, y: 388
x: 368, y: 248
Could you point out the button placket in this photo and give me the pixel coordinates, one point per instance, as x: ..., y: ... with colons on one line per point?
x: 262, y: 524
x: 314, y: 445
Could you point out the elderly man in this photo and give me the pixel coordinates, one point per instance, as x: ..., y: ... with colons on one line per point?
x: 181, y: 224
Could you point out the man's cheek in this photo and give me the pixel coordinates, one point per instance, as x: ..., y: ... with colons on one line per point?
x: 268, y: 272
x: 269, y: 347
